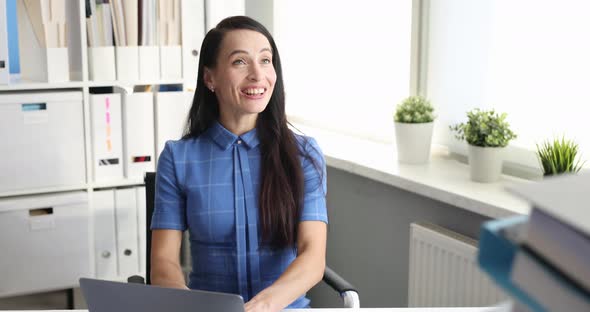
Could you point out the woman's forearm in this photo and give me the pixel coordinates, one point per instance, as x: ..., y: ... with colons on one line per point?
x: 301, y: 275
x: 166, y: 273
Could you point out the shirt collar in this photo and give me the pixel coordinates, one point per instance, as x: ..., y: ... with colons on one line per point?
x: 225, y: 138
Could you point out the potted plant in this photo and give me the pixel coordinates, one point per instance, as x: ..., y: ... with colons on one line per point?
x: 487, y: 133
x: 414, y: 120
x: 559, y: 156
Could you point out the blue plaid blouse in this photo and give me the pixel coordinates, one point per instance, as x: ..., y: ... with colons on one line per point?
x: 210, y: 186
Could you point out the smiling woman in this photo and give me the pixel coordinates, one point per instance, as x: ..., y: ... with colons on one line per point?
x: 250, y: 192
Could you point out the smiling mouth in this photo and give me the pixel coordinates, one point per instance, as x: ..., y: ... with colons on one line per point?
x: 254, y: 91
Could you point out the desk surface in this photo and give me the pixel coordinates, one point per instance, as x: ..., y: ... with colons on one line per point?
x: 485, y: 309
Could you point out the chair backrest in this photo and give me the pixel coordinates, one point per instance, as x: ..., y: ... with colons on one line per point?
x: 150, y: 191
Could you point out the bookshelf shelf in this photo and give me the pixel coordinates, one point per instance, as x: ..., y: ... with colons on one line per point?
x: 18, y: 84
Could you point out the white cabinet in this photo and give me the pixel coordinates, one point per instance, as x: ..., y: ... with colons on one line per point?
x: 44, y: 242
x: 42, y: 137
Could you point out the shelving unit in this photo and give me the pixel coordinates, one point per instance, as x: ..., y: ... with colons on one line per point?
x: 193, y: 14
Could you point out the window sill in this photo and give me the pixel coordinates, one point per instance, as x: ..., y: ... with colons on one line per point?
x: 444, y: 178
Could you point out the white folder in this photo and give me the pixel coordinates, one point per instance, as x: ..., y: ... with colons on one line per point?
x: 4, y: 65
x: 193, y: 16
x: 172, y: 110
x: 107, y: 137
x: 126, y: 224
x: 141, y: 228
x: 105, y: 244
x: 138, y: 134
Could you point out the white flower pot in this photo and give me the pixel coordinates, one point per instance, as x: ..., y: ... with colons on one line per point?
x: 485, y: 163
x: 413, y: 142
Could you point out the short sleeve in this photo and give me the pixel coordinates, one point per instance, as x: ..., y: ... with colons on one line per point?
x: 315, y: 182
x: 170, y: 202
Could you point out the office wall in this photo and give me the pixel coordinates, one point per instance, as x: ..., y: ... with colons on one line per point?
x: 368, y: 238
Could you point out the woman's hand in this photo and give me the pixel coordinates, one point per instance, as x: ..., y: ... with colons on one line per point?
x: 261, y: 303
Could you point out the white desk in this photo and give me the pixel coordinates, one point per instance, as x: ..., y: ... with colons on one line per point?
x: 486, y: 309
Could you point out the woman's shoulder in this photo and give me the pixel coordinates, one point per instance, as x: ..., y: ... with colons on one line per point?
x: 308, y: 145
x: 182, y: 146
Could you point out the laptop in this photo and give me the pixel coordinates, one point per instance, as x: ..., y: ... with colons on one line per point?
x: 109, y: 296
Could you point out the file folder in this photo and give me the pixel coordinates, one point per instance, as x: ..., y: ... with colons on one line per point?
x: 138, y: 134
x: 107, y: 137
x: 105, y: 244
x: 193, y: 16
x: 141, y: 228
x: 172, y: 110
x: 4, y: 62
x: 126, y: 225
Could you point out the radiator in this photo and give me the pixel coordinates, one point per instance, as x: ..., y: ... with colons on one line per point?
x: 443, y: 270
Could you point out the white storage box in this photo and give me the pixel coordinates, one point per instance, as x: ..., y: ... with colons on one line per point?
x: 101, y: 63
x: 42, y: 137
x: 127, y: 59
x: 170, y: 62
x: 44, y: 242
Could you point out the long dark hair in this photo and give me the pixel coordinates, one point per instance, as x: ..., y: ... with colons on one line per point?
x: 282, y: 187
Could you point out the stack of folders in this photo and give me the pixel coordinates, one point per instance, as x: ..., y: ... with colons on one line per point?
x: 43, y: 33
x: 543, y: 260
x: 140, y: 31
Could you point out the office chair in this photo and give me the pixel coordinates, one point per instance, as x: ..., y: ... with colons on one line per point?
x: 346, y: 291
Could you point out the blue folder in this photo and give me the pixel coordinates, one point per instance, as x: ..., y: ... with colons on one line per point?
x: 496, y: 256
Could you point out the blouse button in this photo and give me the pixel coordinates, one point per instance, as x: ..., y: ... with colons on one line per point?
x: 239, y: 141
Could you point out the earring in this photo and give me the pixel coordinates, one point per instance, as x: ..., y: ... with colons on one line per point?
x: 212, y: 89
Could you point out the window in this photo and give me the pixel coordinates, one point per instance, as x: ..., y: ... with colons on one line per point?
x: 346, y: 63
x: 527, y: 58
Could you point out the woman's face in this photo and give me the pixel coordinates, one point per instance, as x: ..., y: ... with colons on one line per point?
x: 244, y: 77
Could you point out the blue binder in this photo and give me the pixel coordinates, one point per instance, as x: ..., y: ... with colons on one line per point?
x: 496, y: 255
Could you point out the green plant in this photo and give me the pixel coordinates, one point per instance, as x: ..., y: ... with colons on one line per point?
x: 559, y: 156
x: 414, y: 109
x: 485, y: 129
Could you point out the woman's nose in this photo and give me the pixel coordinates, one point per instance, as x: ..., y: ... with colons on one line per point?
x: 255, y: 73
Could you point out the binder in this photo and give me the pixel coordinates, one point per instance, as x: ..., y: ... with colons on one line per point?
x: 193, y: 16
x: 126, y: 227
x: 138, y: 134
x: 4, y: 62
x: 105, y: 245
x: 141, y: 228
x: 107, y: 137
x: 172, y: 110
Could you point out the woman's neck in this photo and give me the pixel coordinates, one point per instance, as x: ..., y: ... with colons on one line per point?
x: 238, y: 125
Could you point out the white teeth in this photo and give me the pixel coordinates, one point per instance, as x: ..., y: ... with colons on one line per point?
x: 254, y: 91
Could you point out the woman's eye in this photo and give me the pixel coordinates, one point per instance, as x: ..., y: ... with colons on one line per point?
x: 266, y: 61
x: 239, y: 62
